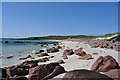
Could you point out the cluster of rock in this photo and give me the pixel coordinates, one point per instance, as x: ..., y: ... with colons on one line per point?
x: 113, y: 43
x: 54, y: 49
x: 108, y: 65
x: 78, y: 52
x: 33, y: 70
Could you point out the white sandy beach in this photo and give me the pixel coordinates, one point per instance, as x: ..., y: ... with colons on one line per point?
x: 73, y: 62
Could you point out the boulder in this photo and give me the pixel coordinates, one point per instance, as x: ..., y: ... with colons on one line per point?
x: 114, y: 73
x: 60, y: 61
x: 45, y: 71
x: 9, y: 57
x: 68, y: 52
x: 80, y: 52
x: 14, y: 71
x: 40, y: 51
x: 43, y: 54
x: 86, y: 57
x: 84, y: 75
x: 65, y: 57
x: 19, y: 78
x: 31, y: 63
x: 52, y: 50
x: 3, y: 73
x: 95, y: 53
x: 103, y: 64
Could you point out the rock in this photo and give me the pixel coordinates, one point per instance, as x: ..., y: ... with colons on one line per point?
x: 19, y: 78
x: 33, y: 77
x: 14, y: 71
x: 22, y: 58
x: 79, y: 52
x: 86, y: 57
x: 6, y: 42
x: 45, y: 71
x: 95, y: 53
x: 9, y: 57
x: 114, y: 73
x: 52, y: 50
x: 103, y: 64
x: 29, y: 56
x: 59, y: 47
x: 65, y: 57
x: 40, y: 51
x: 43, y: 54
x: 3, y: 73
x: 84, y: 75
x: 68, y: 52
x: 31, y: 63
x: 56, y: 71
x: 60, y: 61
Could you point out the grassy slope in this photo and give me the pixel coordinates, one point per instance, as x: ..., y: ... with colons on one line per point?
x: 67, y: 37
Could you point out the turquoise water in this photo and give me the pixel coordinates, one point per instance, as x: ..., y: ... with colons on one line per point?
x: 16, y: 49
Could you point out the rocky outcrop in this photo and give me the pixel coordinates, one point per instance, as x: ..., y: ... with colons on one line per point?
x: 60, y: 61
x: 52, y: 50
x: 84, y: 75
x: 86, y: 57
x: 43, y: 54
x: 15, y: 71
x: 3, y: 73
x: 68, y: 52
x: 103, y: 64
x: 19, y: 78
x: 79, y: 52
x: 114, y: 73
x: 45, y: 71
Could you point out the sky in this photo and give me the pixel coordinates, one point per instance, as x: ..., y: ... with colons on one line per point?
x: 25, y: 19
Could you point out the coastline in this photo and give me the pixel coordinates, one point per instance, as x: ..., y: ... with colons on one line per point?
x: 73, y: 62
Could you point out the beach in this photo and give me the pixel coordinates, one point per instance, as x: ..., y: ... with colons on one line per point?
x: 73, y: 62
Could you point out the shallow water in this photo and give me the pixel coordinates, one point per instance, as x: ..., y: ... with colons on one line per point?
x: 18, y: 50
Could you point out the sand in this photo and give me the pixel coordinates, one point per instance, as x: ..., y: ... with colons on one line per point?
x: 73, y: 62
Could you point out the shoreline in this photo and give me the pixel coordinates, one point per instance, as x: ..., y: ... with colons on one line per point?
x: 73, y: 62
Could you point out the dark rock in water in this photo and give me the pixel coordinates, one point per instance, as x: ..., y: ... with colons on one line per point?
x: 40, y: 51
x: 84, y: 75
x: 43, y: 54
x: 15, y: 71
x: 86, y: 57
x: 9, y: 57
x: 52, y: 50
x: 19, y: 78
x: 6, y: 42
x: 45, y: 71
x: 103, y: 64
x: 95, y: 53
x: 22, y: 58
x: 60, y: 61
x: 114, y: 73
x: 29, y: 56
x: 68, y: 52
x: 3, y: 73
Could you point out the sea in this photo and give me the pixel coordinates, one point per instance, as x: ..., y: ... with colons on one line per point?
x: 15, y: 47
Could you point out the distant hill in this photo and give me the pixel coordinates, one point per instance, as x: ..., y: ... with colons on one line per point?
x: 67, y: 37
